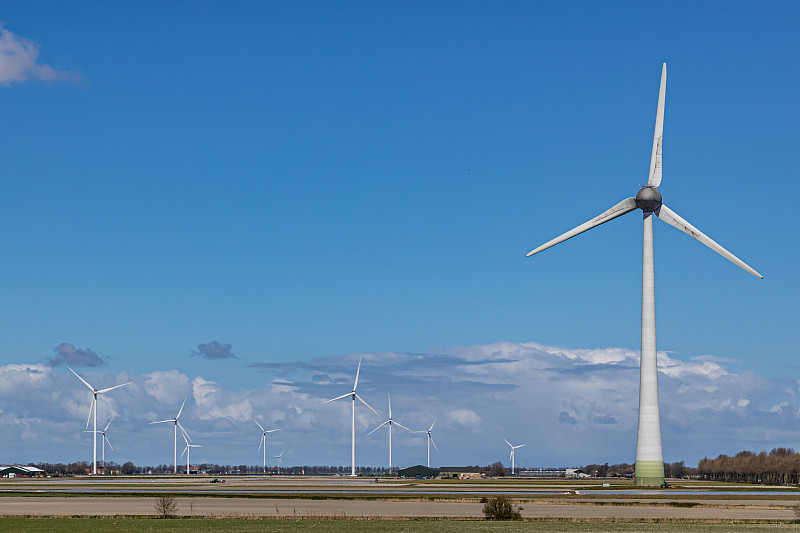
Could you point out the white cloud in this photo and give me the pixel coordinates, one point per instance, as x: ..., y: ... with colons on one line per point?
x: 556, y: 399
x: 18, y: 61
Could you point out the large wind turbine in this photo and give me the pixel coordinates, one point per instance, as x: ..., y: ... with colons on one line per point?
x: 93, y: 408
x: 513, y: 448
x: 649, y: 459
x: 177, y: 425
x: 430, y: 440
x: 103, y: 440
x: 186, y: 451
x: 263, y: 442
x: 390, y: 422
x: 353, y: 395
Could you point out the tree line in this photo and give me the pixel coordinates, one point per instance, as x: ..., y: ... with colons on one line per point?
x: 780, y: 465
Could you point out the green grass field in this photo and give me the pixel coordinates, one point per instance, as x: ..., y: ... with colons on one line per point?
x: 125, y: 525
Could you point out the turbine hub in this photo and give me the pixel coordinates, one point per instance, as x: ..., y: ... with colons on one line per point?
x: 648, y: 199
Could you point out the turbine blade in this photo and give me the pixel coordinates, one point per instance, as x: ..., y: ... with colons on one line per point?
x: 109, y: 423
x: 511, y: 454
x: 355, y: 385
x: 262, y: 441
x: 377, y: 428
x: 80, y: 378
x: 108, y: 441
x: 273, y: 430
x: 402, y: 426
x: 114, y: 387
x: 390, y: 405
x: 368, y: 405
x: 183, y: 431
x: 181, y: 409
x: 625, y: 206
x: 508, y: 443
x: 162, y: 421
x: 434, y: 423
x: 654, y: 179
x: 673, y: 219
x: 334, y: 399
x: 259, y: 425
x: 434, y: 443
x: 91, y: 406
x: 519, y: 446
x: 184, y: 450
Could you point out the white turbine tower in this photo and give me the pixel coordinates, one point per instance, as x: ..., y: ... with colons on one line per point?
x: 263, y: 443
x: 513, y: 448
x: 177, y: 425
x: 430, y: 440
x: 186, y: 451
x: 280, y: 461
x: 103, y: 440
x: 649, y: 459
x: 93, y: 409
x: 353, y: 395
x: 391, y: 423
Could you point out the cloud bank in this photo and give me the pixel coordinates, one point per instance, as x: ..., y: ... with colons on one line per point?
x: 570, y: 406
x: 214, y: 350
x: 19, y: 61
x: 67, y: 354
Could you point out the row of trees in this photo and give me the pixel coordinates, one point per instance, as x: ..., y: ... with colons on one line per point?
x: 675, y: 470
x: 780, y: 465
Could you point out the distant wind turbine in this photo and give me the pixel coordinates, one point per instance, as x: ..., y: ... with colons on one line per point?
x: 93, y: 409
x: 649, y: 456
x: 280, y: 462
x: 103, y: 440
x: 177, y: 425
x: 186, y: 451
x: 430, y: 441
x: 512, y: 454
x: 390, y: 422
x: 353, y: 395
x: 263, y: 443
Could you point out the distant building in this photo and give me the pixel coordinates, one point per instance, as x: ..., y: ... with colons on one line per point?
x: 542, y: 472
x: 418, y: 472
x: 21, y: 471
x: 575, y: 472
x: 461, y: 472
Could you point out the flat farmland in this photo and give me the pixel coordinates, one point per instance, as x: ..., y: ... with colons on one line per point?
x: 296, y: 497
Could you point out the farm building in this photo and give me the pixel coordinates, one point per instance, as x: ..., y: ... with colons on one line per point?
x: 418, y: 472
x: 21, y: 471
x: 461, y: 472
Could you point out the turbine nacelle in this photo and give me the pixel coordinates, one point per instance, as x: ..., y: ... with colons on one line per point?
x: 648, y: 199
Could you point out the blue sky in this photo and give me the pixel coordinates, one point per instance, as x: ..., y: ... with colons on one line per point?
x: 291, y: 184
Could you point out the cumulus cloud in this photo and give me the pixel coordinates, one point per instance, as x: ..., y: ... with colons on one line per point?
x: 67, y: 354
x: 19, y: 61
x: 572, y: 406
x: 214, y: 350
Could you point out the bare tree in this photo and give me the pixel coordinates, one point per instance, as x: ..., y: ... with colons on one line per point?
x: 166, y: 506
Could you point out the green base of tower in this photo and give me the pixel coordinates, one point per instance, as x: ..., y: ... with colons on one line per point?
x: 649, y: 473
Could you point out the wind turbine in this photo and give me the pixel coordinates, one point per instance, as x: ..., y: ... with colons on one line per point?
x: 649, y: 459
x: 512, y: 454
x: 263, y: 442
x: 430, y: 440
x: 280, y: 462
x: 103, y: 440
x: 177, y: 425
x: 93, y: 408
x: 353, y: 395
x: 390, y: 422
x: 186, y: 451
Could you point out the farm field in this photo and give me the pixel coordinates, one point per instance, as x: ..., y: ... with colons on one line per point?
x: 124, y: 525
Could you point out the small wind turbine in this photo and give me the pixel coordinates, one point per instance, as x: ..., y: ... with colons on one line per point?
x: 103, y: 440
x: 649, y: 455
x: 280, y: 462
x: 93, y: 409
x: 186, y: 451
x: 177, y: 425
x: 430, y: 441
x: 512, y: 454
x: 263, y: 442
x: 353, y: 395
x: 390, y: 422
